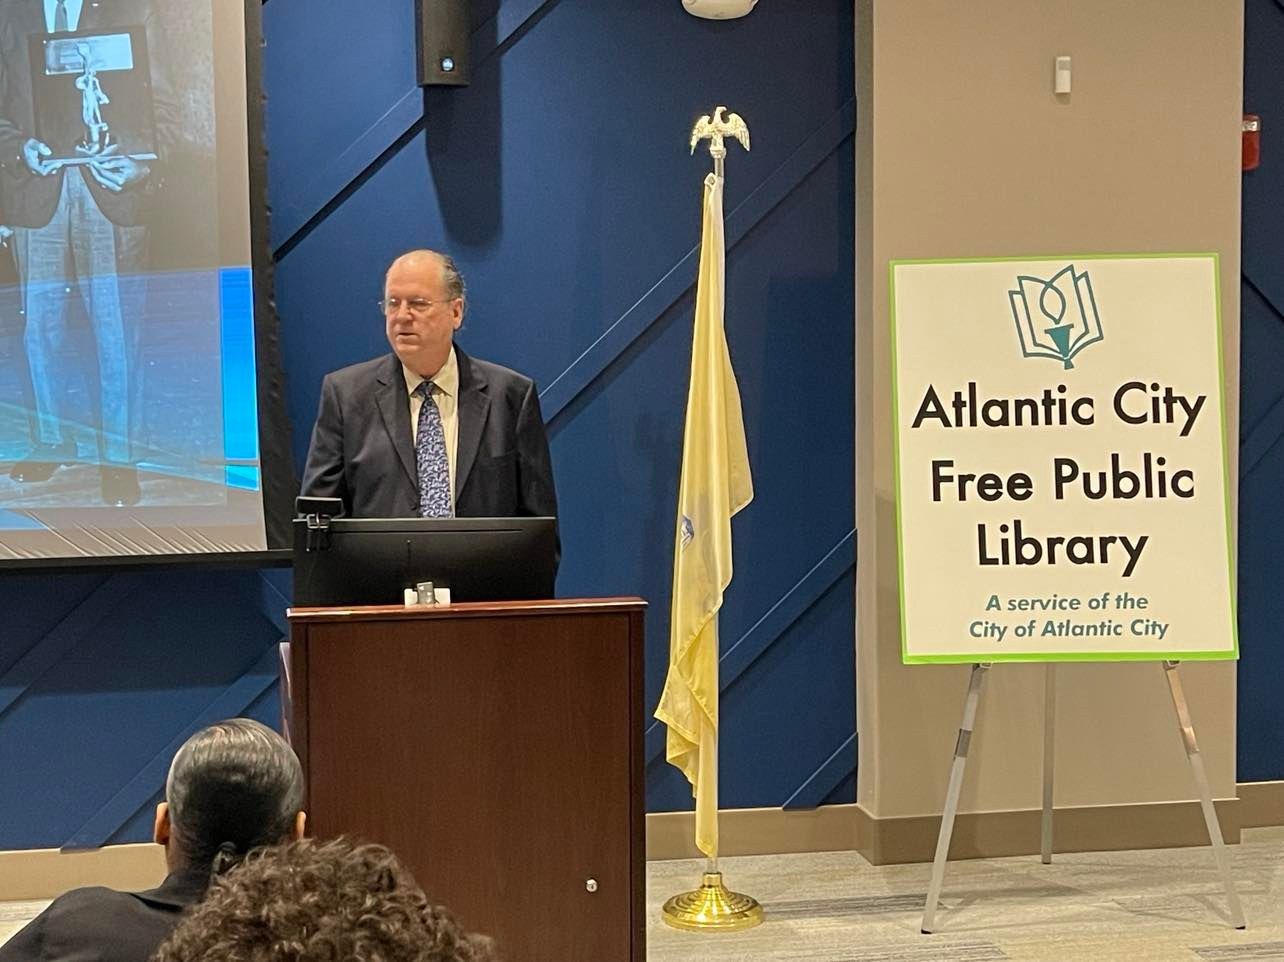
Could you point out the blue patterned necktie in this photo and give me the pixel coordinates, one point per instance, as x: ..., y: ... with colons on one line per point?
x: 430, y: 458
x: 60, y: 17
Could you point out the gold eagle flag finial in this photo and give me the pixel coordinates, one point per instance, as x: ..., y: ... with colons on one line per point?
x: 715, y: 128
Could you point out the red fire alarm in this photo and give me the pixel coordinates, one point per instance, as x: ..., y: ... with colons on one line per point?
x: 1252, y: 134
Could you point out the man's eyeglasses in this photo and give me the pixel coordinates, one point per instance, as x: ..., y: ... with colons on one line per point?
x: 418, y: 306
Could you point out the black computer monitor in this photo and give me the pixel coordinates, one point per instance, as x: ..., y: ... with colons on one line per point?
x: 372, y: 562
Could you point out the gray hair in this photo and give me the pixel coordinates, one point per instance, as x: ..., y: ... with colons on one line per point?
x: 451, y: 279
x: 232, y: 787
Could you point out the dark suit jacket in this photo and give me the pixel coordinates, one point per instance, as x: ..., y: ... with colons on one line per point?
x: 362, y: 450
x: 103, y: 925
x: 28, y: 199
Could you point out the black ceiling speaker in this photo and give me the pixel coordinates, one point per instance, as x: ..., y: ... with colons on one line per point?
x: 443, y: 42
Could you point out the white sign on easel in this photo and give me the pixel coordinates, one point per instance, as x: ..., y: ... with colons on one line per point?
x: 1062, y: 483
x: 1061, y: 479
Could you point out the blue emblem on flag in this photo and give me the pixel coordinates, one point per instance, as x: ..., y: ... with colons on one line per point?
x: 688, y: 531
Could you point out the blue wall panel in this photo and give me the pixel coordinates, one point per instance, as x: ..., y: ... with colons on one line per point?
x: 1261, y: 563
x: 139, y: 655
x: 333, y: 70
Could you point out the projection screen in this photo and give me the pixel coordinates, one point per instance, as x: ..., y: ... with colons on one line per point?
x: 137, y: 358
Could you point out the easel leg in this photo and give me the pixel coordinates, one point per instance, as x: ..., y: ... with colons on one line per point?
x: 1205, y: 793
x: 952, y: 796
x: 1049, y: 757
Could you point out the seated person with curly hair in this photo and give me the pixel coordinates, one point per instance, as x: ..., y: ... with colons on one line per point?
x: 319, y: 902
x: 231, y: 787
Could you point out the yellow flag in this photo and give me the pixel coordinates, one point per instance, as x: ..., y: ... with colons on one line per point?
x: 715, y: 485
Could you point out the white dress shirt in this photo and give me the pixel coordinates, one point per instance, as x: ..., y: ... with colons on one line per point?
x: 73, y: 13
x: 445, y: 391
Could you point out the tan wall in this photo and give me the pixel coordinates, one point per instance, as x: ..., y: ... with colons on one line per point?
x: 964, y: 150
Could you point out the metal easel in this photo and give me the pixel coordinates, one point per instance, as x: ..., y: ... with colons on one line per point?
x: 959, y: 763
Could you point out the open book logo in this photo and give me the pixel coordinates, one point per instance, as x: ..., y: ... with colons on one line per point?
x: 1057, y: 317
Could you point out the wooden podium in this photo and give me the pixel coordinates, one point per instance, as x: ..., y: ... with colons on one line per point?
x: 497, y: 749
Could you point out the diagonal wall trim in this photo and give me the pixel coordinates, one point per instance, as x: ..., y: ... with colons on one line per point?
x: 618, y: 336
x: 65, y: 636
x: 510, y: 18
x: 1261, y: 292
x: 1269, y: 428
x: 827, y: 777
x: 272, y: 605
x: 294, y: 208
x: 841, y: 558
x: 1266, y: 433
x: 143, y: 786
x: 733, y: 663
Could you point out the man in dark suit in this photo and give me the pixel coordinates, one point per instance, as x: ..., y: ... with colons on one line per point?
x: 427, y: 430
x: 79, y: 226
x: 232, y: 787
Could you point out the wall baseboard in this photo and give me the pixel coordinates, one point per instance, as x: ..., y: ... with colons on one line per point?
x: 44, y: 873
x: 1261, y: 804
x: 757, y: 831
x: 888, y: 841
x: 1097, y: 828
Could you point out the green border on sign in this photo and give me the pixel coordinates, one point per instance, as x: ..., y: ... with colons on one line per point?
x: 1229, y: 654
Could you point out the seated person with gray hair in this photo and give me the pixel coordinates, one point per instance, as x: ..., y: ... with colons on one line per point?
x: 232, y: 787
x: 321, y: 902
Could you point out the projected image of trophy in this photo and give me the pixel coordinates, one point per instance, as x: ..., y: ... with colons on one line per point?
x: 92, y: 98
x: 92, y: 95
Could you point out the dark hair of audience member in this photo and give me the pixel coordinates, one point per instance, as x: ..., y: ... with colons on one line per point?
x: 232, y: 787
x: 311, y: 901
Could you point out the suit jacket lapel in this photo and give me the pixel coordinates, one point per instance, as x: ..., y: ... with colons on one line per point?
x: 474, y: 404
x: 394, y: 410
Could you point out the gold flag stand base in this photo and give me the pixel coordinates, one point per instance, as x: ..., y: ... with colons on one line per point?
x: 712, y: 908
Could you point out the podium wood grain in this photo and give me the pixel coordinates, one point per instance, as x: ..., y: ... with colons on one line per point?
x: 497, y: 749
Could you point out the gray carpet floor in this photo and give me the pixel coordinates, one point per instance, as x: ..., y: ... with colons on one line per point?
x: 1165, y: 904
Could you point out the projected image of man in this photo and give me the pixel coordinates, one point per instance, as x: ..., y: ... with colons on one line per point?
x: 428, y: 431
x: 79, y: 231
